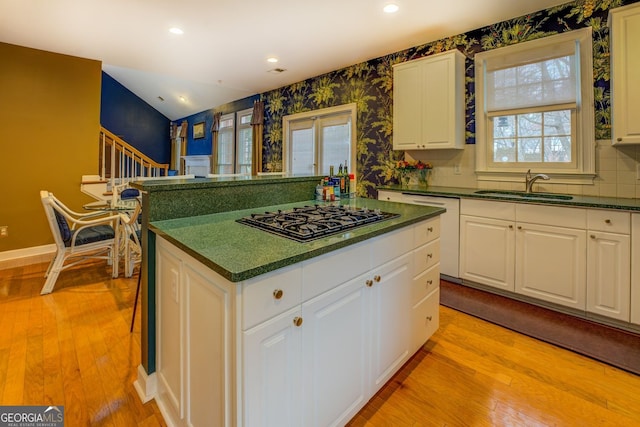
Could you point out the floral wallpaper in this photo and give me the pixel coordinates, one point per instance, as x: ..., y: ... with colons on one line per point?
x: 370, y: 85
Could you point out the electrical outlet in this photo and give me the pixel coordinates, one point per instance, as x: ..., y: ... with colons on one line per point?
x: 4, y: 231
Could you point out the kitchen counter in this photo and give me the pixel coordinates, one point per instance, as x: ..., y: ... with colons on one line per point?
x: 239, y: 252
x: 618, y: 203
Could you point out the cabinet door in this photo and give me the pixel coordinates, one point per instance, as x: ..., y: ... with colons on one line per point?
x: 335, y: 354
x: 272, y: 372
x: 625, y: 84
x: 170, y: 337
x: 635, y: 269
x: 551, y: 264
x: 390, y: 317
x: 443, y: 101
x: 407, y: 106
x: 208, y: 348
x: 487, y: 251
x: 608, y: 274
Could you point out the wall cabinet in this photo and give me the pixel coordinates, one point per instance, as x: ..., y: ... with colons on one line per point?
x: 428, y: 102
x: 308, y: 344
x: 625, y: 82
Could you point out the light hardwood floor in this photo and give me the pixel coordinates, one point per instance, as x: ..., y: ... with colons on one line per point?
x: 73, y: 348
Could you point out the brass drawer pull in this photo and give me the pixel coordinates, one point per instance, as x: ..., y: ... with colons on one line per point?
x: 297, y: 321
x: 376, y: 278
x: 429, y: 318
x: 278, y: 293
x: 369, y: 283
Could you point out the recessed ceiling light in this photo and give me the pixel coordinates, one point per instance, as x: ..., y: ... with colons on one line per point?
x: 183, y: 99
x: 272, y: 59
x: 176, y: 30
x: 391, y: 8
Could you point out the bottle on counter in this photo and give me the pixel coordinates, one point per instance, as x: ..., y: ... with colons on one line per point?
x: 352, y: 185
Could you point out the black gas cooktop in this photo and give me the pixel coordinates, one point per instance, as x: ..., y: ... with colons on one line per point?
x: 307, y: 223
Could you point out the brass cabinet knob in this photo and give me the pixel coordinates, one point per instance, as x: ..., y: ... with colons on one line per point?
x: 278, y: 293
x: 297, y: 321
x: 619, y: 139
x: 429, y: 282
x: 511, y: 226
x: 607, y: 221
x: 429, y: 255
x: 376, y: 278
x: 593, y: 236
x: 429, y: 318
x: 430, y: 229
x: 369, y: 283
x: 519, y: 227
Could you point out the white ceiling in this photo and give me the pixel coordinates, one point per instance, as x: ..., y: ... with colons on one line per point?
x: 221, y: 57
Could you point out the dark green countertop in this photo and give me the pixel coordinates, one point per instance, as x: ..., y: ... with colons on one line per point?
x: 618, y: 203
x: 239, y: 252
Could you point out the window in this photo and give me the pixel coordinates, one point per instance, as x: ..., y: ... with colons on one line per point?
x: 316, y: 140
x: 234, y: 143
x: 534, y: 109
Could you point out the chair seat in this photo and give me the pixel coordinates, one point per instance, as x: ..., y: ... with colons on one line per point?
x: 93, y: 234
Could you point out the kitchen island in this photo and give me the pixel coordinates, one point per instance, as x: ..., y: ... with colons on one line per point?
x: 255, y: 329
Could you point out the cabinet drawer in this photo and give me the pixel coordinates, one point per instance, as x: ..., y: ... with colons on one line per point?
x: 425, y: 319
x: 424, y: 283
x: 426, y: 256
x: 391, y: 196
x: 271, y: 295
x: 609, y: 221
x: 556, y: 215
x: 426, y: 231
x: 488, y: 209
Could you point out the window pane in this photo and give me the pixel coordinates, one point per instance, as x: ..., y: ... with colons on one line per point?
x: 244, y: 150
x: 504, y: 150
x: 530, y: 125
x: 336, y: 146
x: 557, y: 123
x: 504, y: 127
x: 557, y: 149
x: 225, y: 151
x: 529, y: 150
x: 302, y: 152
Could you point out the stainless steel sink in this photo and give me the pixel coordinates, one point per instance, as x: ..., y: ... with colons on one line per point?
x: 523, y: 195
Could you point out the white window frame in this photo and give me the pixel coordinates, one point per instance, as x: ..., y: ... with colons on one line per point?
x: 582, y: 169
x: 293, y: 121
x: 234, y: 130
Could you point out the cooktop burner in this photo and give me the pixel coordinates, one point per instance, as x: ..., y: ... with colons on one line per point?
x: 307, y: 223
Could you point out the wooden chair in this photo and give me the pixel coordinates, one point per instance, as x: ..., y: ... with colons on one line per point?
x: 78, y: 236
x: 132, y: 249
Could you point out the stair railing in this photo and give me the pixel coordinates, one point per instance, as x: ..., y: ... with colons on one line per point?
x: 120, y: 162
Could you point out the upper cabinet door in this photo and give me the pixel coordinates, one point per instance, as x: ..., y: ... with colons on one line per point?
x: 625, y: 74
x: 428, y: 102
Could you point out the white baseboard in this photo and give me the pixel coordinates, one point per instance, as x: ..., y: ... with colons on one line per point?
x: 145, y: 385
x: 27, y: 256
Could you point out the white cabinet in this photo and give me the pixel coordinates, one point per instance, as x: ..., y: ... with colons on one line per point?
x: 194, y: 337
x: 625, y: 81
x: 449, y: 225
x: 428, y: 102
x: 609, y: 264
x: 538, y: 251
x: 487, y: 251
x: 635, y: 269
x: 574, y: 257
x: 550, y: 264
x: 308, y: 344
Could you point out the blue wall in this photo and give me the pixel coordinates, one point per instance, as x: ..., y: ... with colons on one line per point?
x: 203, y: 145
x: 135, y: 121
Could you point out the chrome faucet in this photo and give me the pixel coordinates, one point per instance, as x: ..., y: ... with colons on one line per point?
x: 529, y: 180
